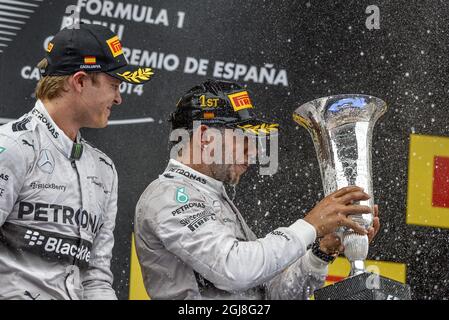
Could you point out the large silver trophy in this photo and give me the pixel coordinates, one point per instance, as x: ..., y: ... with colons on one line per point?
x: 341, y: 128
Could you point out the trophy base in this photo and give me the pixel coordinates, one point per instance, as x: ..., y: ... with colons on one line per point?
x: 365, y: 286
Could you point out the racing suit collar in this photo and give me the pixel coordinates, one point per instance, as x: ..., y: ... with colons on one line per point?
x: 180, y: 169
x: 55, y: 134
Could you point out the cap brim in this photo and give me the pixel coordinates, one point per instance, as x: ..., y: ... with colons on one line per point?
x: 257, y: 127
x: 132, y: 74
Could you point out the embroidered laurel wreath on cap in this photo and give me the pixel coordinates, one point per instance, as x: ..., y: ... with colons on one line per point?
x: 138, y: 76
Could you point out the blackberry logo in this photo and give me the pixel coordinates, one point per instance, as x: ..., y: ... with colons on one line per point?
x: 34, y: 237
x: 46, y: 245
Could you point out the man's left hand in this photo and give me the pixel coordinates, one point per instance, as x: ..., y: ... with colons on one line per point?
x: 331, y: 243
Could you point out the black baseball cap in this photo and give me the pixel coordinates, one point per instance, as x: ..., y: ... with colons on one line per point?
x: 219, y: 104
x: 91, y: 48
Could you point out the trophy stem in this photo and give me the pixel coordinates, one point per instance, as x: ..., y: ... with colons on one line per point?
x: 357, y: 267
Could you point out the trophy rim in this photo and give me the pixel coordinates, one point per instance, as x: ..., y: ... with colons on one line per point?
x: 381, y: 105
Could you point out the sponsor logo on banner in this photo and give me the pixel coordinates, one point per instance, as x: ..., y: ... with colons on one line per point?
x: 240, y: 100
x: 428, y: 181
x: 46, y: 161
x: 115, y: 46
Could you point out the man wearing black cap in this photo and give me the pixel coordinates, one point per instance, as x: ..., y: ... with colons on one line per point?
x: 58, y: 194
x: 192, y: 241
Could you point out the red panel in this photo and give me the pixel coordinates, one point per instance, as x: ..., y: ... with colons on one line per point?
x: 440, y: 190
x: 334, y: 278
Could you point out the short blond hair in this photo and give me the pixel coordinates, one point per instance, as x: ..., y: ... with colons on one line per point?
x: 50, y: 87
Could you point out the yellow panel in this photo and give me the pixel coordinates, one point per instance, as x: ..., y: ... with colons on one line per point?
x: 136, y: 287
x: 340, y: 268
x: 423, y: 149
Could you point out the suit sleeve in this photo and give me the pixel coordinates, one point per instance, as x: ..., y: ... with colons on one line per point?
x: 97, y: 281
x: 300, y: 280
x: 13, y: 170
x: 201, y: 240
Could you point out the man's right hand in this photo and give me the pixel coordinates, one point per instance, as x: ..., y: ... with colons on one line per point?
x: 331, y: 212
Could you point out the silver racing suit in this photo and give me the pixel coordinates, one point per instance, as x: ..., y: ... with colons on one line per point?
x: 193, y: 243
x: 58, y: 202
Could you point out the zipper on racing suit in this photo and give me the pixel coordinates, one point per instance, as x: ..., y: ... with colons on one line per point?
x: 73, y: 272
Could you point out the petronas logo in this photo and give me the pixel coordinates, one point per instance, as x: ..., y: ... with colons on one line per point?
x: 181, y: 196
x: 2, y: 149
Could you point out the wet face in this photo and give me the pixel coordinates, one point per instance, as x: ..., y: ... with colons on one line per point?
x: 237, y: 152
x: 99, y: 94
